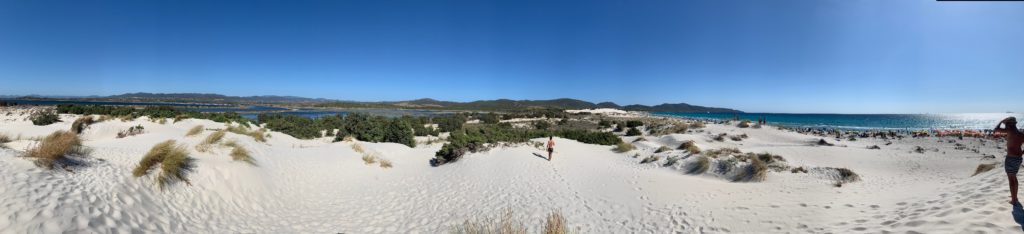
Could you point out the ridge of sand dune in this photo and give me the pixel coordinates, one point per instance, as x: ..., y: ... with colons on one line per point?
x: 323, y: 186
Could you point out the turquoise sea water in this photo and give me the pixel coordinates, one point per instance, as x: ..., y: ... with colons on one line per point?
x: 975, y: 121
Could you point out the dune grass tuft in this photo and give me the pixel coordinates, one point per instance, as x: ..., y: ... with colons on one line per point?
x: 650, y: 159
x: 662, y: 149
x: 81, y: 124
x: 555, y: 223
x: 720, y: 137
x: 175, y: 164
x: 756, y: 171
x: 844, y: 175
x: 699, y: 166
x: 623, y: 147
x: 384, y: 163
x: 195, y: 131
x: 358, y: 148
x: 239, y: 153
x: 722, y: 152
x: 55, y: 148
x: 369, y: 159
x: 243, y: 130
x: 210, y: 140
x: 131, y: 131
x: 4, y: 139
x: 670, y: 161
x: 985, y: 167
x: 690, y: 146
x: 154, y: 157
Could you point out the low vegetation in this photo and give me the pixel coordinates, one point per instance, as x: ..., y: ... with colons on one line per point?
x: 700, y: 165
x: 258, y: 135
x: 384, y: 163
x: 44, y: 117
x: 60, y: 148
x: 650, y: 159
x: 846, y: 176
x: 131, y: 131
x: 623, y: 147
x: 689, y: 146
x: 633, y: 132
x: 153, y: 112
x: 175, y: 164
x: 662, y: 149
x: 555, y: 223
x: 4, y: 139
x: 720, y: 137
x: 369, y: 158
x: 478, y: 138
x: 756, y: 171
x: 210, y: 140
x: 744, y: 124
x: 81, y: 124
x: 194, y: 131
x: 239, y: 153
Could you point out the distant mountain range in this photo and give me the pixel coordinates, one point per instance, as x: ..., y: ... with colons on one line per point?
x: 425, y: 103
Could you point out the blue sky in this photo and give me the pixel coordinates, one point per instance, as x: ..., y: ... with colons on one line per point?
x: 820, y: 56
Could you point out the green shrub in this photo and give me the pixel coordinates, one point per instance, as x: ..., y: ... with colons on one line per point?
x: 634, y: 123
x: 541, y: 125
x: 633, y: 132
x: 604, y: 123
x: 450, y: 123
x: 490, y: 118
x: 41, y: 118
x: 662, y: 149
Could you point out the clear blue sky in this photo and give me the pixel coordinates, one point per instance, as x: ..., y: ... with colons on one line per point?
x: 834, y: 56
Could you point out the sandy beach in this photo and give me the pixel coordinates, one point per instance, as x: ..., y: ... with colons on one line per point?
x: 320, y: 186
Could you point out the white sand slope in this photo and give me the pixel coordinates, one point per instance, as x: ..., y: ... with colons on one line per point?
x: 319, y: 186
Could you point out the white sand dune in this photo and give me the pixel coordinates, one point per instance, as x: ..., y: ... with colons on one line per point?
x: 319, y: 186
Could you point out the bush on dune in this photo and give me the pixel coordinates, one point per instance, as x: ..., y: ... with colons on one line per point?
x: 744, y: 124
x: 662, y: 149
x: 44, y: 117
x: 633, y: 132
x: 56, y: 148
x: 174, y: 162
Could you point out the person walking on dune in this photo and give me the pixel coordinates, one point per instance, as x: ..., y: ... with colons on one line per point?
x: 1014, y: 138
x: 551, y: 146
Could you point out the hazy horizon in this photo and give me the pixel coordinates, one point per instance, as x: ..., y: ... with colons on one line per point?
x: 793, y: 56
